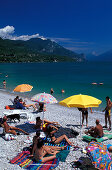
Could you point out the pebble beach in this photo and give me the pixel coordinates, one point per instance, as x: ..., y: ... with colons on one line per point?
x: 66, y: 117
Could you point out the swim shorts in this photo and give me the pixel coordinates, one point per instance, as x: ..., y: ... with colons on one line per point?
x: 107, y: 112
x: 85, y: 112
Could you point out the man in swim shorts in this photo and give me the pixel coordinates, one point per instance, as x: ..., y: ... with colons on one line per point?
x: 108, y: 112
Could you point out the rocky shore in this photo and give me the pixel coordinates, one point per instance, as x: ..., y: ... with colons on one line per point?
x: 67, y: 117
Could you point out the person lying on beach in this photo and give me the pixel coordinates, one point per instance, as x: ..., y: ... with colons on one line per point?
x: 22, y: 105
x: 45, y: 123
x: 30, y: 105
x: 11, y: 129
x: 55, y: 140
x: 96, y: 131
x: 35, y: 141
x: 41, y: 150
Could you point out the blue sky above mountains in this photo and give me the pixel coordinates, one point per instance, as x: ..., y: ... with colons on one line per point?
x: 79, y: 25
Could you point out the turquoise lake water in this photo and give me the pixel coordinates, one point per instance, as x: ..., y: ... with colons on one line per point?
x: 74, y: 78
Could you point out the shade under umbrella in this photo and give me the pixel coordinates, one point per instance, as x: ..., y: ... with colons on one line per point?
x: 23, y: 88
x: 80, y: 101
x: 44, y: 98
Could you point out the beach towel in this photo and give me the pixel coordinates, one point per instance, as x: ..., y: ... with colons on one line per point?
x: 31, y: 122
x: 99, y: 155
x: 107, y: 135
x: 23, y: 161
x: 9, y: 107
x: 61, y: 144
x: 62, y: 155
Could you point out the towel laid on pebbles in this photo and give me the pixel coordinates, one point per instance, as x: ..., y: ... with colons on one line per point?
x: 23, y: 161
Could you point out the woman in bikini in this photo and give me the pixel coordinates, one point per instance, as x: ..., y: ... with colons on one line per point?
x: 46, y: 149
x: 59, y: 139
x: 45, y: 124
x: 40, y: 151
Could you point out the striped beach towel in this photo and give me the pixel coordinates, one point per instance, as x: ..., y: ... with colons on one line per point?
x: 23, y: 161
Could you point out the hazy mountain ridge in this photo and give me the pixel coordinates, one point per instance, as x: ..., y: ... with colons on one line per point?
x: 107, y: 56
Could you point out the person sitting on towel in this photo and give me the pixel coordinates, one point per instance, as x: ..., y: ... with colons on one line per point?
x: 41, y: 150
x: 52, y: 149
x: 96, y: 131
x: 45, y: 124
x: 11, y: 129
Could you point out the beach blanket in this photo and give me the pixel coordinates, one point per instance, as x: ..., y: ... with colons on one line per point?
x: 99, y: 155
x: 23, y: 161
x: 107, y: 135
x: 62, y: 155
x: 30, y: 122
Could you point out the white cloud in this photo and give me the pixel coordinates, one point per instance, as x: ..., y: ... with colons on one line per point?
x: 8, y: 33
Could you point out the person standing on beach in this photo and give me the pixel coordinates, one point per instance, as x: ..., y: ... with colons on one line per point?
x: 84, y: 115
x: 52, y: 91
x: 4, y: 84
x: 108, y: 112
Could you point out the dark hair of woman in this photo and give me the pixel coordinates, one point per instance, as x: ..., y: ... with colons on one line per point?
x: 40, y: 143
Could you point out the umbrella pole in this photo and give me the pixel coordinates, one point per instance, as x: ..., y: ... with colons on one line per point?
x: 43, y: 117
x: 80, y: 123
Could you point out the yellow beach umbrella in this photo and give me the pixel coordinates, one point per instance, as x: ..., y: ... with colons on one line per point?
x: 81, y: 101
x: 23, y: 88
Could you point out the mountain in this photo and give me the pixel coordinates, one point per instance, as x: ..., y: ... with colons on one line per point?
x: 91, y: 57
x: 35, y: 50
x: 107, y: 56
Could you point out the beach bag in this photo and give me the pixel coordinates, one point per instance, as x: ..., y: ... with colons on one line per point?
x: 9, y: 137
x: 83, y: 163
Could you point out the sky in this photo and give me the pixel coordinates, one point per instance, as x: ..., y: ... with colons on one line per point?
x: 83, y: 26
